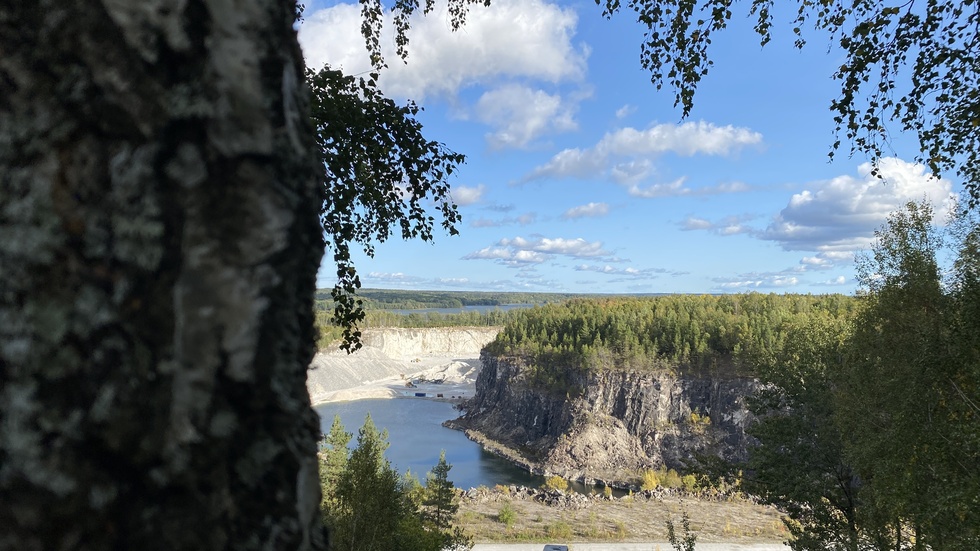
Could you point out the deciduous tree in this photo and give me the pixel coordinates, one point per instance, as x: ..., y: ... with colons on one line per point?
x: 911, y: 428
x: 158, y: 252
x: 907, y: 66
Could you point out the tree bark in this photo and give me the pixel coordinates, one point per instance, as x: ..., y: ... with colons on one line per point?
x: 159, y: 241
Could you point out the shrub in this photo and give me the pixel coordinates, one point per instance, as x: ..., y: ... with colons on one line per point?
x: 556, y: 483
x: 559, y: 530
x: 650, y: 480
x: 690, y: 482
x: 621, y: 531
x: 672, y: 479
x: 507, y: 515
x: 607, y: 491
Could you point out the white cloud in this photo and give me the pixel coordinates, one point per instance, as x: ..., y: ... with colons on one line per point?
x: 510, y: 38
x: 678, y: 189
x: 842, y: 214
x: 693, y: 223
x: 625, y: 111
x: 626, y: 155
x: 836, y: 282
x: 826, y: 260
x: 519, y: 115
x: 520, y: 252
x: 757, y: 281
x: 589, y: 210
x: 577, y: 247
x: 730, y: 225
x: 464, y: 195
x: 687, y: 139
x: 623, y: 273
x: 453, y: 281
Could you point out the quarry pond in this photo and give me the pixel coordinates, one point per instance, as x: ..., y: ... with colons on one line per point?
x: 416, y: 435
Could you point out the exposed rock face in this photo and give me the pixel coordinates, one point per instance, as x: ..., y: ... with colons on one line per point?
x: 623, y: 422
x: 391, y: 352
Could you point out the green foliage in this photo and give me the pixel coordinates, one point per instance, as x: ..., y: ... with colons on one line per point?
x: 380, y: 171
x: 908, y: 67
x: 441, y: 502
x: 699, y: 423
x: 689, y: 482
x: 556, y: 483
x: 367, y: 506
x: 393, y: 299
x: 333, y: 462
x: 721, y: 335
x: 668, y: 478
x: 507, y: 515
x: 909, y: 385
x: 869, y: 433
x: 671, y: 479
x: 559, y: 530
x: 650, y: 480
x: 686, y: 542
x: 800, y: 465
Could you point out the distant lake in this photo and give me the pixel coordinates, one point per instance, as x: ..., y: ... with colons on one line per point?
x: 416, y: 435
x: 481, y: 308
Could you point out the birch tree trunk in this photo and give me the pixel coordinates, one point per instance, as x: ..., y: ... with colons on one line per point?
x: 159, y: 241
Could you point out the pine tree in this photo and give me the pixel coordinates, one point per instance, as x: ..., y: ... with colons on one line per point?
x: 440, y: 495
x: 370, y: 505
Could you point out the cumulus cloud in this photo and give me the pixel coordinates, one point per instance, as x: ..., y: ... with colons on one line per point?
x: 510, y: 38
x: 826, y: 260
x: 521, y: 252
x: 464, y: 195
x: 627, y: 155
x: 838, y: 217
x: 519, y: 115
x: 756, y: 281
x: 842, y: 214
x: 590, y: 210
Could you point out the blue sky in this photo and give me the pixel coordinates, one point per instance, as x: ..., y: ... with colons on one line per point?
x: 581, y: 176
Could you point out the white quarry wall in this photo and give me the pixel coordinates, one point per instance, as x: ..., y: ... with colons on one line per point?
x: 393, y: 352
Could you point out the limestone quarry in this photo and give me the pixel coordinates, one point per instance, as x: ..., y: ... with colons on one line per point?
x: 441, y: 360
x: 622, y: 423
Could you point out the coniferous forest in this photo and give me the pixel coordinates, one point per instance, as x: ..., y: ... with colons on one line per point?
x: 869, y: 430
x: 869, y: 418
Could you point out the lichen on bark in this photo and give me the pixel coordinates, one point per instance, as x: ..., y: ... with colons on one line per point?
x: 159, y: 242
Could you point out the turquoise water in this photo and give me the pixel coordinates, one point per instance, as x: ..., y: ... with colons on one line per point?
x: 416, y: 436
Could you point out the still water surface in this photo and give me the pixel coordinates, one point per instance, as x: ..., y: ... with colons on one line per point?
x: 416, y: 435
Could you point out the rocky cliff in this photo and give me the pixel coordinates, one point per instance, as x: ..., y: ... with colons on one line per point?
x: 620, y: 423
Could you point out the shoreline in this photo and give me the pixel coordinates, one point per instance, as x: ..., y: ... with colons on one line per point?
x: 442, y: 378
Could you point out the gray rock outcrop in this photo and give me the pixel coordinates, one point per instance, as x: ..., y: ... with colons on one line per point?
x: 623, y: 422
